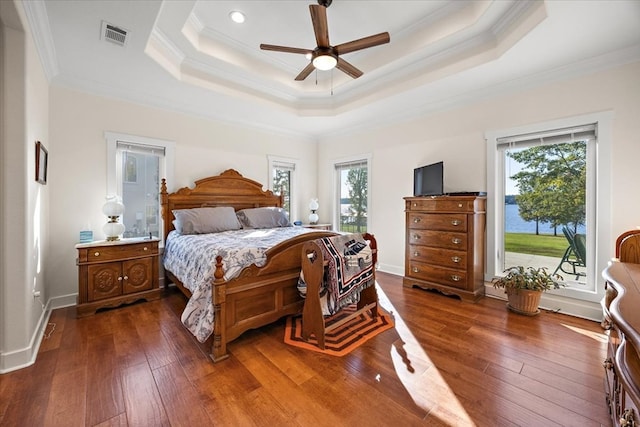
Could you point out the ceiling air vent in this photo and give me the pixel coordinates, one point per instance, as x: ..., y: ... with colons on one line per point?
x: 114, y: 34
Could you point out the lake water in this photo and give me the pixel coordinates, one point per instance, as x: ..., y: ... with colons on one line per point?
x: 515, y: 224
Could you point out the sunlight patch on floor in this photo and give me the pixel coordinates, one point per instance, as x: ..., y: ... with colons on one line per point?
x: 420, y: 377
x: 600, y: 337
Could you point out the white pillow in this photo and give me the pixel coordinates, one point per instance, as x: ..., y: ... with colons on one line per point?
x: 264, y: 218
x: 205, y: 220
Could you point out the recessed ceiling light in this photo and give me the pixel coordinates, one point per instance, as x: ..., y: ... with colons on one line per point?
x: 237, y: 16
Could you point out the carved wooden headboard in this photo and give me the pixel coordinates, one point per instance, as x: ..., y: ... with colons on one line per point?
x: 229, y: 188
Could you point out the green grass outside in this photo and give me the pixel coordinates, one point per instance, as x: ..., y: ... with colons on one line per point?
x: 543, y: 244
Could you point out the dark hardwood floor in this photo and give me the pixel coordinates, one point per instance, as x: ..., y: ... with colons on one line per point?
x: 446, y: 362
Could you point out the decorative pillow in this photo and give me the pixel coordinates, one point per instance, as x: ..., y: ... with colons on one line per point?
x: 264, y: 218
x: 205, y: 220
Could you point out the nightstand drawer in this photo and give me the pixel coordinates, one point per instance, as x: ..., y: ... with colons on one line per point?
x: 117, y: 252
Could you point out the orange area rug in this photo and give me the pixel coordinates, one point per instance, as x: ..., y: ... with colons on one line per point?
x: 343, y: 339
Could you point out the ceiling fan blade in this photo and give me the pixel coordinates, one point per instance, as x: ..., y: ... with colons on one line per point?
x: 305, y: 73
x: 285, y: 49
x: 362, y: 43
x: 346, y: 67
x: 320, y: 27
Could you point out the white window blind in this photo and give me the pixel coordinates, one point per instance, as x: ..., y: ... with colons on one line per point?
x: 557, y: 136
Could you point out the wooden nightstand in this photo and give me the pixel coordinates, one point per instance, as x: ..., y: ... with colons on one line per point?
x: 115, y: 273
x: 319, y: 226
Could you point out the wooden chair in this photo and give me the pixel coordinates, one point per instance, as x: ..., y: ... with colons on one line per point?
x: 628, y: 247
x: 313, y: 266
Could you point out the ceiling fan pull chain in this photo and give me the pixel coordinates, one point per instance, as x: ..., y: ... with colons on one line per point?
x: 332, y: 82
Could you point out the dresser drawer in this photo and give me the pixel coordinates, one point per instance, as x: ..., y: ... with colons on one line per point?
x: 437, y: 256
x: 117, y: 252
x: 444, y: 276
x: 438, y: 239
x: 444, y: 222
x: 440, y: 204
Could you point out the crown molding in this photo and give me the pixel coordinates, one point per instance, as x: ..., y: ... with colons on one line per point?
x: 36, y: 13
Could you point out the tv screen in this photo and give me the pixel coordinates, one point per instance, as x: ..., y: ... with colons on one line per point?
x: 427, y: 180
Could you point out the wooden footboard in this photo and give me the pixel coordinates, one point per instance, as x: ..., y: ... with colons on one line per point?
x: 259, y: 295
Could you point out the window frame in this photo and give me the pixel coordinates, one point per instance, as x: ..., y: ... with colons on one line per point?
x: 598, y: 204
x: 286, y: 162
x: 114, y: 166
x: 366, y: 158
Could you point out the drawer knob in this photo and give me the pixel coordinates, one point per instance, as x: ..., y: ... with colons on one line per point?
x: 126, y: 277
x: 415, y: 204
x: 416, y: 236
x: 145, y: 248
x: 416, y: 220
x: 455, y: 278
x: 455, y: 259
x: 119, y: 278
x: 456, y: 241
x: 456, y: 222
x: 416, y: 253
x: 415, y: 270
x: 459, y: 205
x: 97, y: 254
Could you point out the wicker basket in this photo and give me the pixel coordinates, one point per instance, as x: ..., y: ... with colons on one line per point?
x: 523, y: 301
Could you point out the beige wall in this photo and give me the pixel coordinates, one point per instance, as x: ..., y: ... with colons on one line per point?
x: 203, y: 148
x: 24, y: 219
x: 457, y: 137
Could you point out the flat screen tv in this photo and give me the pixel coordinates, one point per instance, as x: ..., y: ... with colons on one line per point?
x: 427, y: 180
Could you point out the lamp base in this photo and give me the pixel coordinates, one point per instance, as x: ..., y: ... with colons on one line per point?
x: 112, y: 238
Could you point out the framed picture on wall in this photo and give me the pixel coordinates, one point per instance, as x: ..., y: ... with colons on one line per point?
x: 42, y: 160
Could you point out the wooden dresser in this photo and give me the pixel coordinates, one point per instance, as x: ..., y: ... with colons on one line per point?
x: 621, y: 321
x: 444, y: 244
x: 115, y: 273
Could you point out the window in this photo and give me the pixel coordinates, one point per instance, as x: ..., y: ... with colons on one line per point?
x: 547, y: 184
x: 352, y: 195
x: 135, y: 167
x: 282, y: 177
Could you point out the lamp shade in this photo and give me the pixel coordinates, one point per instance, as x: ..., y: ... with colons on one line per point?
x: 324, y: 62
x: 313, y: 204
x: 113, y: 207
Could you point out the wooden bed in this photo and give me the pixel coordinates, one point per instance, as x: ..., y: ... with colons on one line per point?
x: 259, y: 295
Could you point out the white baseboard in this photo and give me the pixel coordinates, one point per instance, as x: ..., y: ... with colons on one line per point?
x: 21, y: 358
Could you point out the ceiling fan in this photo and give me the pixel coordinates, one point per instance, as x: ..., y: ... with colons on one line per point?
x: 325, y: 56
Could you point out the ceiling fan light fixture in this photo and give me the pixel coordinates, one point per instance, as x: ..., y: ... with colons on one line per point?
x: 237, y: 16
x: 324, y: 62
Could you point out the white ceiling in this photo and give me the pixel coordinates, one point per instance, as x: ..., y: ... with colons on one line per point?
x: 187, y: 55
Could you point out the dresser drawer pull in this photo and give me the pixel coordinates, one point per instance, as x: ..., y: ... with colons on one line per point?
x: 455, y: 259
x: 145, y: 248
x: 97, y: 254
x: 455, y: 278
x: 459, y: 205
x: 456, y: 241
x: 415, y: 270
x: 456, y: 222
x: 119, y: 278
x: 416, y: 237
x: 415, y: 204
x: 126, y: 277
x: 417, y: 220
x: 416, y: 254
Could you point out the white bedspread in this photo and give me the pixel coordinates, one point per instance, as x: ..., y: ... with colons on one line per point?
x: 191, y: 258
